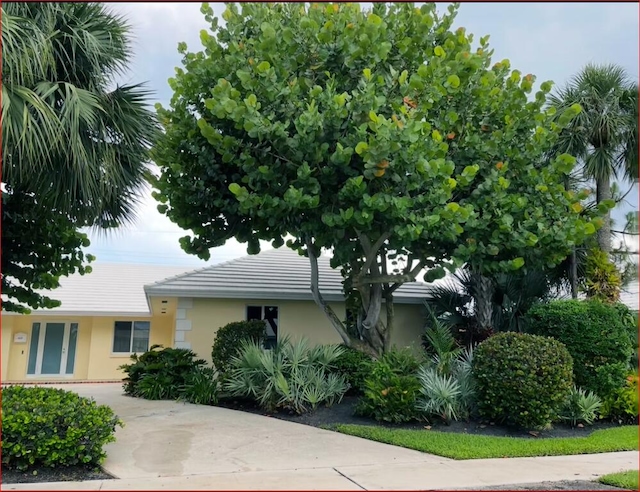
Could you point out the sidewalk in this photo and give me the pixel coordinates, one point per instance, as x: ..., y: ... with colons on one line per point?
x: 431, y: 475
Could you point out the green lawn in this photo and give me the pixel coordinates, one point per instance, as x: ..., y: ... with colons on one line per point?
x: 624, y: 480
x: 468, y: 446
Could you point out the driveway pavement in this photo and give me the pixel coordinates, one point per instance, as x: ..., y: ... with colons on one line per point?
x: 179, y: 446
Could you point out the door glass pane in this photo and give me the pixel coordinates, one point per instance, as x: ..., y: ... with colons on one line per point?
x: 254, y: 312
x: 52, y: 351
x: 122, y: 336
x: 140, y: 336
x: 71, y: 352
x: 33, y: 348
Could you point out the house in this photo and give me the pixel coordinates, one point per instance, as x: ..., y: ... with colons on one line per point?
x: 118, y: 310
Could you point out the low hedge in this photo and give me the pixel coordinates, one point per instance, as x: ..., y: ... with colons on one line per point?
x: 229, y: 338
x: 521, y: 379
x: 53, y: 428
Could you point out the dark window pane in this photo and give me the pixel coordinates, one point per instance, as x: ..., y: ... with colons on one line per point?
x: 71, y: 353
x: 140, y: 336
x: 33, y: 348
x: 122, y: 336
x: 254, y: 312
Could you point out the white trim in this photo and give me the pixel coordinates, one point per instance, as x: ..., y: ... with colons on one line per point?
x: 183, y: 325
x: 179, y: 336
x: 65, y: 348
x: 50, y: 313
x: 40, y: 349
x: 183, y: 345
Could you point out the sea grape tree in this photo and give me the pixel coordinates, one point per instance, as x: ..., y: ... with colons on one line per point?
x: 382, y: 135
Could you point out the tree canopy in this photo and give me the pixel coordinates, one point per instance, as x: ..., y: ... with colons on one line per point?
x: 383, y: 135
x: 75, y: 146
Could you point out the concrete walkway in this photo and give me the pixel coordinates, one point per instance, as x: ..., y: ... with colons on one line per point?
x: 176, y: 446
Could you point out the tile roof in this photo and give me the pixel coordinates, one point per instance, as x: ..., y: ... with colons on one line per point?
x: 273, y: 274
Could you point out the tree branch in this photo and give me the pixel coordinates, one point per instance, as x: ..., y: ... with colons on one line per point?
x: 371, y: 252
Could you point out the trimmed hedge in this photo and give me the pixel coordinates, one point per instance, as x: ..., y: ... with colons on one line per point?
x: 54, y: 428
x: 597, y: 336
x: 229, y: 338
x: 521, y: 379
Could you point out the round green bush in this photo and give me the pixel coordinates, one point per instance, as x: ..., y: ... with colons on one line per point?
x: 597, y: 336
x: 54, y: 428
x: 521, y: 380
x: 229, y: 338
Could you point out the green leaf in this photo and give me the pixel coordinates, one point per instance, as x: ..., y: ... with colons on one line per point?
x: 361, y: 147
x: 439, y: 51
x: 517, y: 263
x: 263, y: 66
x: 235, y: 188
x: 454, y: 81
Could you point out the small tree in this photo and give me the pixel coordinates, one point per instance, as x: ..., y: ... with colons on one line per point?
x: 379, y: 134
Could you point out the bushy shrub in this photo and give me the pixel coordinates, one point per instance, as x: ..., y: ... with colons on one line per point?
x: 447, y: 389
x: 229, y: 339
x: 622, y: 405
x: 355, y: 366
x: 521, y: 379
x: 54, y: 428
x: 166, y: 374
x: 596, y: 335
x: 291, y: 376
x: 200, y: 387
x: 581, y: 407
x: 391, y: 389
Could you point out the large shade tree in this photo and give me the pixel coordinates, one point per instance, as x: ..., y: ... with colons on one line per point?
x: 604, y: 136
x: 381, y: 135
x: 74, y: 144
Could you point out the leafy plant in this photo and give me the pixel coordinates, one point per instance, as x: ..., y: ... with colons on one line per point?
x: 622, y: 405
x: 291, y: 376
x: 355, y: 366
x: 596, y: 336
x: 200, y: 387
x: 522, y: 379
x: 402, y: 361
x: 602, y: 280
x: 389, y: 396
x: 440, y: 344
x: 229, y: 339
x: 53, y: 428
x: 160, y: 373
x: 581, y: 407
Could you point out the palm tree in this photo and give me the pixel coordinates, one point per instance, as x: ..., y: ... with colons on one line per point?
x: 70, y: 136
x: 604, y: 136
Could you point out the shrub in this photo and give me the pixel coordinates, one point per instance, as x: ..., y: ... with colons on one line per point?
x: 388, y: 395
x: 521, y: 379
x: 581, y: 406
x: 200, y: 387
x: 54, y: 428
x: 392, y: 388
x: 622, y: 405
x: 355, y: 366
x: 596, y: 335
x: 230, y: 337
x: 160, y: 373
x: 447, y: 390
x: 602, y: 278
x: 291, y: 376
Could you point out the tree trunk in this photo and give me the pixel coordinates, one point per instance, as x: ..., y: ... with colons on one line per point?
x: 603, y: 192
x: 483, y: 293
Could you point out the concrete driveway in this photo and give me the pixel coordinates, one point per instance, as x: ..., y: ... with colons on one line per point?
x: 174, y: 446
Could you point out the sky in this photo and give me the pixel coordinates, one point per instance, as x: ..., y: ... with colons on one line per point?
x: 551, y: 40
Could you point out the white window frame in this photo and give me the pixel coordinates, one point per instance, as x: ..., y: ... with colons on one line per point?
x: 132, y: 323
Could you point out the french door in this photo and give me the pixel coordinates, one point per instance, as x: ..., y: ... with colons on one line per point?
x: 52, y: 351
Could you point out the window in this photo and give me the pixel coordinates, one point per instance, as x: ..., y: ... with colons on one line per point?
x: 270, y: 316
x: 131, y: 336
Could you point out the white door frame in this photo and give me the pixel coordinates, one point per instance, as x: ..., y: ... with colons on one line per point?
x: 63, y: 355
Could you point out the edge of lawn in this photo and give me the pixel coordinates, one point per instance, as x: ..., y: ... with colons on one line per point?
x: 460, y: 446
x: 625, y: 480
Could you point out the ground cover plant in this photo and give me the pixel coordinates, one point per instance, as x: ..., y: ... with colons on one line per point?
x: 465, y: 446
x: 624, y: 480
x: 48, y: 427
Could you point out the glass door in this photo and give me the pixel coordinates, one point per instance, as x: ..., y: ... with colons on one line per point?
x: 52, y: 349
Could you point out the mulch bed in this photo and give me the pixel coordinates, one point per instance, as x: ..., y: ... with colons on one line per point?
x: 343, y: 413
x: 68, y: 474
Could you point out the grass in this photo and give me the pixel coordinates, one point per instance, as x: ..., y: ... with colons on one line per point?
x: 467, y: 446
x: 624, y: 480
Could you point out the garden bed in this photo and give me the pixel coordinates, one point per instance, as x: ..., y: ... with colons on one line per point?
x: 68, y: 474
x: 343, y: 413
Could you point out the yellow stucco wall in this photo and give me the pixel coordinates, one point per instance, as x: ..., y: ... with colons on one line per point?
x: 94, y: 359
x: 295, y: 318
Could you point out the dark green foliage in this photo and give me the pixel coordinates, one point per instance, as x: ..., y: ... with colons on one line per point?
x: 596, y: 335
x: 521, y: 379
x: 200, y: 387
x: 160, y: 373
x: 54, y: 428
x: 355, y: 366
x: 230, y: 337
x: 392, y: 388
x: 622, y: 404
